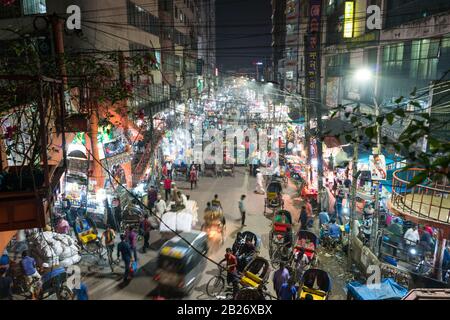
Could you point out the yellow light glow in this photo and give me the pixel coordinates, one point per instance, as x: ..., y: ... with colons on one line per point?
x: 348, y: 19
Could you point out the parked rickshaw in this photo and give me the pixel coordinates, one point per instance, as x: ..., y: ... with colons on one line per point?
x: 215, y: 225
x: 274, y: 199
x: 210, y: 170
x: 309, y: 242
x: 228, y: 169
x: 281, y: 238
x: 180, y: 171
x: 256, y: 273
x: 315, y: 285
x: 87, y: 236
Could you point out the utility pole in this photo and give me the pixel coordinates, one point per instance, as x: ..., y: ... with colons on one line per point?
x: 373, y: 236
x: 355, y: 175
x: 58, y: 38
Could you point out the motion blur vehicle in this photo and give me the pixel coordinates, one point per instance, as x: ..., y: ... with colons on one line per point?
x: 214, y: 225
x: 180, y: 266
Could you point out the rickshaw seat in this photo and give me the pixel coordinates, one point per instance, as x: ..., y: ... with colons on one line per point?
x: 253, y: 277
x: 280, y: 227
x: 248, y: 280
x: 317, y: 294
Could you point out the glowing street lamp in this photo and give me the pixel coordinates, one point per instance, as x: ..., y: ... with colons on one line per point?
x: 363, y: 75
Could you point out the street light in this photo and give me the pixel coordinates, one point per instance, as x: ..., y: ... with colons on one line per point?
x: 363, y: 75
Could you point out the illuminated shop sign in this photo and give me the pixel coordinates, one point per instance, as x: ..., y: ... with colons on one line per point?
x: 348, y: 19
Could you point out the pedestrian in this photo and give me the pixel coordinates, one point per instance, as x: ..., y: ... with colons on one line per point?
x: 301, y: 261
x: 152, y: 196
x: 279, y: 277
x: 193, y: 177
x: 131, y: 237
x: 124, y: 249
x: 242, y: 210
x: 169, y: 169
x: 167, y: 187
x: 109, y: 236
x: 32, y: 275
x: 339, y: 200
x: 288, y: 291
x: 161, y: 206
x: 6, y: 283
x: 303, y: 219
x: 62, y: 225
x: 117, y: 214
x: 146, y: 226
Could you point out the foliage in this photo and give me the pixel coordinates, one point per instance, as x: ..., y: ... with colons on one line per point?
x: 435, y: 160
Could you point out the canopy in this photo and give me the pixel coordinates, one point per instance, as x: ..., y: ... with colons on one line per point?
x: 387, y: 290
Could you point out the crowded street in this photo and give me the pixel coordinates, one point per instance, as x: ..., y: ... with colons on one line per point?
x: 218, y: 151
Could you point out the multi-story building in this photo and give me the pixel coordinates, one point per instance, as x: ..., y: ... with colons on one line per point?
x: 278, y: 38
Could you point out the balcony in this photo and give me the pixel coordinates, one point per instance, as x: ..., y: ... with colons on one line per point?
x: 424, y: 203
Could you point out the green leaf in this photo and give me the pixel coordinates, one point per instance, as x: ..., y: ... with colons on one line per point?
x: 413, y: 93
x: 397, y: 101
x: 418, y: 178
x: 348, y: 138
x: 415, y: 104
x: 399, y: 112
x: 353, y: 119
x: 425, y: 115
x: 370, y: 132
x: 380, y: 120
x: 390, y: 118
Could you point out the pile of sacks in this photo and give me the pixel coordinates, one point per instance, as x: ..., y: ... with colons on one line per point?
x: 54, y: 249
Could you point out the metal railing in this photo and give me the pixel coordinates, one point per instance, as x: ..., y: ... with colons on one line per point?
x: 427, y: 200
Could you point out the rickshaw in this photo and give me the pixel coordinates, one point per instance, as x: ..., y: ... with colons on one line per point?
x: 315, y: 285
x: 215, y: 225
x: 132, y: 216
x: 228, y: 169
x: 280, y: 237
x: 309, y: 242
x: 180, y: 171
x: 210, y: 170
x: 238, y: 246
x: 274, y: 200
x: 256, y: 273
x: 87, y: 236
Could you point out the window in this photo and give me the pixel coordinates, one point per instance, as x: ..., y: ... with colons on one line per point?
x: 424, y: 58
x: 33, y: 7
x: 10, y: 11
x: 142, y: 19
x: 393, y: 58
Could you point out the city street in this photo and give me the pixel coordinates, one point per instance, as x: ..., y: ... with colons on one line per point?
x: 103, y: 284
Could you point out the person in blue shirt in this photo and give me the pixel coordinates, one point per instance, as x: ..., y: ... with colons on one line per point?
x: 334, y: 230
x: 324, y: 218
x: 288, y: 291
x: 30, y: 271
x: 124, y: 249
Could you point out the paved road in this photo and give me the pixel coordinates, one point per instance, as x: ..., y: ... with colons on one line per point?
x: 103, y: 284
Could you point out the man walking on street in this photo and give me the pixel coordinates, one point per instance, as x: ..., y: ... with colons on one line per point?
x: 124, y: 249
x: 131, y: 237
x: 109, y: 236
x: 303, y: 220
x: 242, y: 210
x: 146, y: 226
x: 152, y: 197
x: 280, y: 277
x: 167, y: 187
x: 193, y: 177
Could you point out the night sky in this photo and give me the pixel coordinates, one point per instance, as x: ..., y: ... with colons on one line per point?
x: 243, y: 25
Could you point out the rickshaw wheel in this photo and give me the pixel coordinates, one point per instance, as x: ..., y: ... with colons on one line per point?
x: 64, y: 293
x: 215, y: 286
